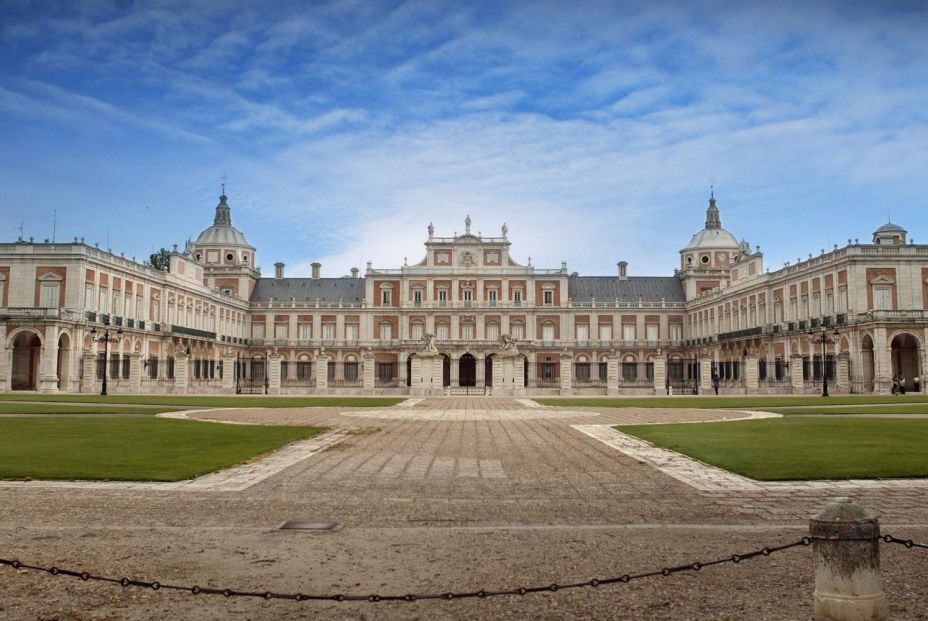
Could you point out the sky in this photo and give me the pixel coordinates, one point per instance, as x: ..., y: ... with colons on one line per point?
x: 592, y: 129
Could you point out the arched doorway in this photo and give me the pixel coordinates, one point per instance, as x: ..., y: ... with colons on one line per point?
x: 467, y: 371
x: 64, y: 361
x: 445, y: 370
x: 488, y: 371
x: 905, y: 357
x: 27, y: 349
x: 866, y: 363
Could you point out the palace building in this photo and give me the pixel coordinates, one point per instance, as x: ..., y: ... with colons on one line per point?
x: 466, y: 318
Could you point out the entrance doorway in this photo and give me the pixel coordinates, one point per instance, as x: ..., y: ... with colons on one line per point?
x: 467, y: 371
x: 905, y: 357
x: 27, y: 349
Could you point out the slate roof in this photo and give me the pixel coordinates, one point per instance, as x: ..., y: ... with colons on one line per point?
x: 610, y: 288
x: 348, y: 290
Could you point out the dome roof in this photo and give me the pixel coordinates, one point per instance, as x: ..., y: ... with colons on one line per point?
x: 713, y: 238
x: 222, y: 233
x: 889, y: 227
x: 713, y: 235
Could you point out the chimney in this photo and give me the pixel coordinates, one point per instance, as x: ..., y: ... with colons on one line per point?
x: 623, y: 270
x: 316, y: 268
x: 354, y: 272
x: 279, y: 271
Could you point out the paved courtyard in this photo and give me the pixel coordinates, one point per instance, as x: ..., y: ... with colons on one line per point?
x: 436, y: 495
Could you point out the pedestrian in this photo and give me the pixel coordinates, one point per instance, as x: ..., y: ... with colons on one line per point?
x: 916, y: 385
x: 715, y: 382
x: 902, y: 384
x: 895, y: 387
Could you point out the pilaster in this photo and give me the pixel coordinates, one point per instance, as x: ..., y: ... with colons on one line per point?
x: 322, y: 372
x: 135, y: 372
x: 612, y: 375
x: 566, y: 374
x: 705, y: 375
x: 273, y: 373
x: 228, y: 373
x: 6, y: 355
x: 368, y: 370
x: 842, y: 372
x: 89, y: 381
x: 660, y: 375
x: 48, y: 371
x: 181, y: 373
x: 751, y: 379
x: 795, y: 372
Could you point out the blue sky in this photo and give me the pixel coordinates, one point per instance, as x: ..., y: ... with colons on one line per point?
x: 591, y: 128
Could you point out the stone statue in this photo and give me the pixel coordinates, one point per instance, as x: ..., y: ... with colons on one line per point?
x: 508, y: 345
x: 431, y: 230
x: 428, y: 344
x: 505, y: 229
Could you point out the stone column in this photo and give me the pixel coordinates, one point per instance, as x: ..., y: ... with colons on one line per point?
x: 612, y: 375
x: 660, y: 376
x: 273, y: 373
x: 705, y: 375
x: 566, y: 374
x: 48, y: 365
x: 795, y: 373
x: 750, y: 370
x: 135, y: 372
x: 89, y: 381
x: 842, y: 372
x: 6, y: 355
x: 322, y: 373
x: 846, y: 560
x: 228, y: 373
x: 181, y: 373
x: 401, y: 360
x: 368, y: 370
x: 882, y: 362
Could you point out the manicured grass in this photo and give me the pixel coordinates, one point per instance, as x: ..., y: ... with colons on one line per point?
x: 53, y: 408
x: 134, y: 449
x: 905, y: 408
x: 800, y: 448
x: 216, y: 402
x: 713, y: 402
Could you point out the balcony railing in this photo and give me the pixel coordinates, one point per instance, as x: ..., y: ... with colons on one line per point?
x: 36, y: 312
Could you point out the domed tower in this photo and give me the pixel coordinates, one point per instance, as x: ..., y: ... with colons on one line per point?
x: 228, y: 259
x: 705, y: 263
x: 890, y: 235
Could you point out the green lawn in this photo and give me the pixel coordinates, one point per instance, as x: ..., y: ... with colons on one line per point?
x: 54, y: 408
x: 215, y: 402
x: 134, y: 449
x: 760, y: 402
x: 905, y: 408
x: 800, y: 448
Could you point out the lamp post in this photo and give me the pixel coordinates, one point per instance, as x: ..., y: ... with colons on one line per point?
x: 106, y: 339
x: 824, y: 339
x: 238, y: 372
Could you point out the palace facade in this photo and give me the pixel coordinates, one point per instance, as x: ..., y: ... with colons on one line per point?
x: 210, y: 323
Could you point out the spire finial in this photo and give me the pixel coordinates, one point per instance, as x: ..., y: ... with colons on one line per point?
x: 711, y: 187
x: 223, y: 180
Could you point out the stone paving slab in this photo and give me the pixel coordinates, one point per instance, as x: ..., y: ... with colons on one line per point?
x: 708, y: 478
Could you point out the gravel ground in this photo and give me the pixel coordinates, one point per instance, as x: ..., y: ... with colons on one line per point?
x: 436, y: 505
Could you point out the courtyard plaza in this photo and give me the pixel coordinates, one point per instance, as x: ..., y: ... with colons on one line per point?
x: 442, y: 494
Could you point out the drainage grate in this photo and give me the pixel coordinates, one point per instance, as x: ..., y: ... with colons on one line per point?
x: 300, y: 525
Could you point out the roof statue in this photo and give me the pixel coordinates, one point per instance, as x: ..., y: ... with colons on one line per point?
x: 467, y: 225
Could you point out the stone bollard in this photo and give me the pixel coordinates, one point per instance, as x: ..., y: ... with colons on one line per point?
x: 846, y: 558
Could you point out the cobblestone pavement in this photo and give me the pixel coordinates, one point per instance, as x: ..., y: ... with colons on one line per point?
x: 445, y: 493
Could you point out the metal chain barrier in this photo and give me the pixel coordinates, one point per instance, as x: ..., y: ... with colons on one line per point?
x: 905, y: 542
x: 410, y: 597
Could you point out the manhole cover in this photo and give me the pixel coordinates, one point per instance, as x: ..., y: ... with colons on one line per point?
x: 301, y: 525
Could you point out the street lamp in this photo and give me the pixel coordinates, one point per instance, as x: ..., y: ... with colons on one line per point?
x: 824, y: 339
x: 106, y: 339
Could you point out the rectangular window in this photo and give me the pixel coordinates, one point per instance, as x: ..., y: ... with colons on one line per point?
x: 386, y: 331
x: 104, y: 300
x: 416, y: 331
x: 793, y: 310
x: 305, y: 331
x: 676, y: 332
x: 130, y: 312
x: 386, y: 297
x: 468, y: 295
x: 417, y: 296
x: 829, y: 303
x: 280, y: 331
x: 882, y: 298
x: 651, y: 332
x: 549, y: 298
x: 442, y: 332
x: 605, y: 332
x: 49, y: 296
x: 139, y: 308
x: 547, y: 332
x: 2, y: 286
x: 328, y: 331
x: 805, y: 308
x: 351, y: 331
x: 816, y: 305
x: 442, y: 297
x: 842, y: 299
x: 257, y: 331
x: 778, y: 312
x: 493, y: 331
x: 628, y: 332
x: 517, y: 297
x: 583, y: 332
x: 467, y: 331
x: 88, y: 297
x: 518, y: 331
x: 491, y: 296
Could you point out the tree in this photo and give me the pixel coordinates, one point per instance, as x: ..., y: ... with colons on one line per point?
x: 161, y: 260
